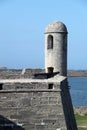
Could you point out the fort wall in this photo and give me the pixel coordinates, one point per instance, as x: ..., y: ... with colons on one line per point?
x: 32, y: 105
x: 37, y: 100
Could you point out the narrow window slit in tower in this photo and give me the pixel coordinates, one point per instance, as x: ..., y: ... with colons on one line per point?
x: 50, y: 42
x: 50, y: 86
x: 1, y: 86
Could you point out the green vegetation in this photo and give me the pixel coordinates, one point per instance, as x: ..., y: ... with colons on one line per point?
x: 81, y: 121
x: 82, y: 128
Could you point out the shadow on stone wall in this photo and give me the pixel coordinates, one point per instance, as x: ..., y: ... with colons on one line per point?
x: 45, y: 75
x: 6, y: 124
x: 68, y: 107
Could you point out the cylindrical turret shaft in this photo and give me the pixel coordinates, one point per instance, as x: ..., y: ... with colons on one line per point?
x: 56, y: 48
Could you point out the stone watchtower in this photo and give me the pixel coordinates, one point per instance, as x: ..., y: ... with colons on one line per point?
x: 41, y: 102
x: 56, y: 48
x: 56, y: 63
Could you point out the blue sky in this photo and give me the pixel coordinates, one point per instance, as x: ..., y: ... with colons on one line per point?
x: 22, y: 26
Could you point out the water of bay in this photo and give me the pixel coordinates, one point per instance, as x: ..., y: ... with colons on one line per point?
x: 78, y: 90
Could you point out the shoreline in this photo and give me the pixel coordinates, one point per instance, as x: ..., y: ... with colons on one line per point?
x: 77, y: 73
x: 81, y: 110
x: 5, y: 72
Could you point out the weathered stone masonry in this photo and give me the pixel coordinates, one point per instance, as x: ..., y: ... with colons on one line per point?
x: 33, y: 105
x: 41, y: 102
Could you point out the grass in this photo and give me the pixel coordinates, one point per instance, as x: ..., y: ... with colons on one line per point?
x: 81, y: 121
x: 82, y: 128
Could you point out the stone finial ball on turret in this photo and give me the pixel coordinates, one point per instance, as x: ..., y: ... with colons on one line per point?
x: 56, y: 48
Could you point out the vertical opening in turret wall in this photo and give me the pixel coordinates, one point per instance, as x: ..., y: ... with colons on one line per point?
x: 50, y: 42
x: 50, y: 70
